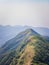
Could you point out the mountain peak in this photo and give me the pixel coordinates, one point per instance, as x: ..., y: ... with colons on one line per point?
x: 31, y: 31
x: 26, y: 48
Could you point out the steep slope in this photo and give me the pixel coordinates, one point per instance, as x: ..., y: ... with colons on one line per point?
x: 27, y: 48
x: 41, y: 30
x: 13, y: 43
x: 8, y: 32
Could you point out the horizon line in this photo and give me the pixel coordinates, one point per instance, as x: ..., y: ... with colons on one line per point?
x: 23, y: 26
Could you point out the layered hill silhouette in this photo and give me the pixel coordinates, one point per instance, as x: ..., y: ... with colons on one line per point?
x: 26, y: 48
x: 8, y: 32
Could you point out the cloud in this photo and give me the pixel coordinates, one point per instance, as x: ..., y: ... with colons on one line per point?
x: 33, y: 14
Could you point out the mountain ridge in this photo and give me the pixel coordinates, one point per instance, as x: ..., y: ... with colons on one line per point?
x: 27, y: 48
x: 9, y: 32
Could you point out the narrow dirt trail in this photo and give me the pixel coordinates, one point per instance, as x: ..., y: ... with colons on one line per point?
x: 29, y: 54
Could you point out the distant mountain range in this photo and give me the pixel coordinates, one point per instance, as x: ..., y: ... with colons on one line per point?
x: 8, y: 32
x: 26, y: 48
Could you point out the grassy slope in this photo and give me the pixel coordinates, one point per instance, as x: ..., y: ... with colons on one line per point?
x: 33, y: 52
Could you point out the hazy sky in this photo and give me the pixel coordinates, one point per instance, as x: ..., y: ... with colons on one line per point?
x: 24, y: 12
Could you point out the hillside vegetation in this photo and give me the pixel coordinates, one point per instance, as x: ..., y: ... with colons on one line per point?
x: 27, y: 48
